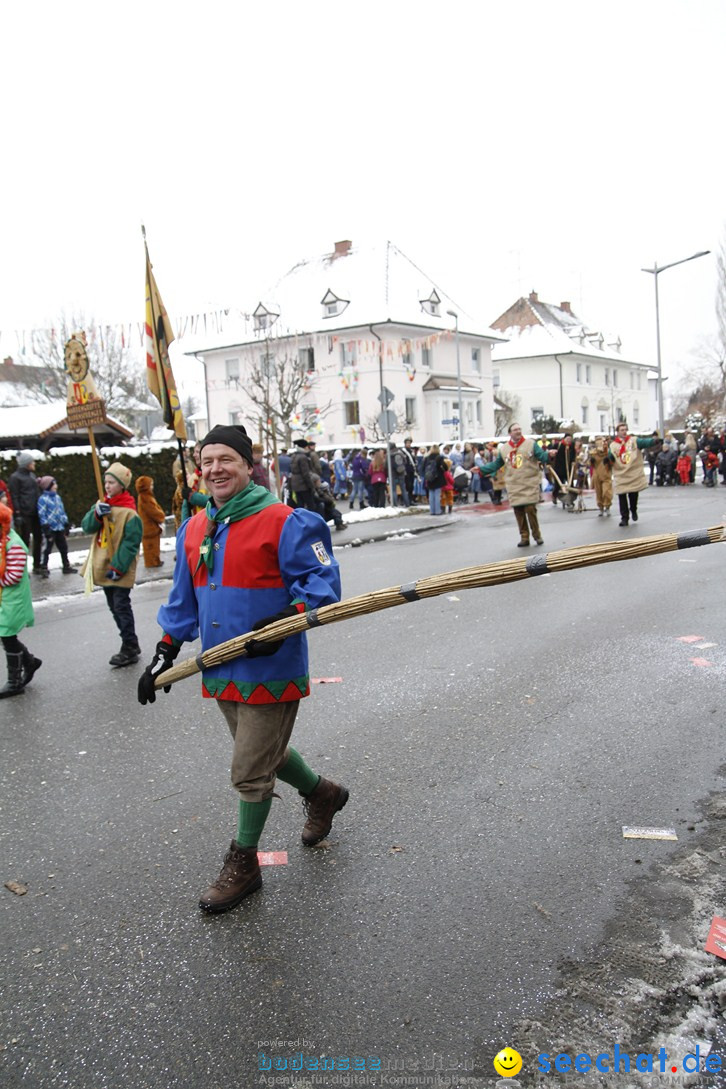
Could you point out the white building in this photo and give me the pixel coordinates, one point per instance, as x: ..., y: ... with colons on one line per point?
x: 351, y: 323
x: 555, y: 365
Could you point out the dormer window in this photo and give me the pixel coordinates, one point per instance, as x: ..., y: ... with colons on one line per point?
x: 332, y: 305
x: 432, y: 305
x: 263, y: 318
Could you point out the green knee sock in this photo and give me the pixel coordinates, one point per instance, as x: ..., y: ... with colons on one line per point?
x: 251, y: 821
x: 297, y: 773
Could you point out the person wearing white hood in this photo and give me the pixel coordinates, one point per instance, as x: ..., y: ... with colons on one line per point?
x: 340, y: 475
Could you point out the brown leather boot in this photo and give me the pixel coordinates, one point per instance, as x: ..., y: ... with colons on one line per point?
x: 239, y: 876
x: 321, y: 805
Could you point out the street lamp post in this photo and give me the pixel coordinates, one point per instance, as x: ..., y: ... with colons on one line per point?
x: 655, y: 271
x: 455, y: 316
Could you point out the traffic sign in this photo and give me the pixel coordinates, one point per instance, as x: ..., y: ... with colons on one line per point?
x: 387, y: 421
x: 448, y: 423
x: 385, y: 397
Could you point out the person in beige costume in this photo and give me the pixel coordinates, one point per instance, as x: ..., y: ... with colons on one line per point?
x: 520, y: 460
x: 628, y: 470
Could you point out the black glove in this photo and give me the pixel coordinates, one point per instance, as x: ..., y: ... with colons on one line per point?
x: 162, y: 660
x: 257, y: 649
x: 113, y: 575
x: 102, y: 509
x: 186, y: 492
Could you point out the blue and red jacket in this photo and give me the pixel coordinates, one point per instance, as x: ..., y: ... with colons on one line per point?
x: 262, y: 564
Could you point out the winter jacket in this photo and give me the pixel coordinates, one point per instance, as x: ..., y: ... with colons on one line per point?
x: 360, y: 467
x: 437, y: 481
x: 262, y: 564
x: 51, y: 512
x: 301, y: 472
x: 24, y: 492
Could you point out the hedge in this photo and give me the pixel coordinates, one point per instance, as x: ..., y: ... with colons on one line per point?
x: 73, y: 469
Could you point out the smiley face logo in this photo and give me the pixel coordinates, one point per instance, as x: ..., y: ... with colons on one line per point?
x: 508, y: 1062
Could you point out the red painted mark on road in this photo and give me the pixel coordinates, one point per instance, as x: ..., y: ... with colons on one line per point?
x: 326, y: 680
x: 690, y: 638
x: 272, y: 858
x: 701, y: 662
x: 481, y: 507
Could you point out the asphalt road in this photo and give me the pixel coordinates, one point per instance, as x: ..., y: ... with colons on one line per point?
x: 494, y: 743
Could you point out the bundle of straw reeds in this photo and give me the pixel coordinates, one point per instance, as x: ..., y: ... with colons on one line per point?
x: 468, y: 578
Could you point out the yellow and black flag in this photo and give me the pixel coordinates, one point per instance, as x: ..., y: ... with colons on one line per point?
x: 159, y: 375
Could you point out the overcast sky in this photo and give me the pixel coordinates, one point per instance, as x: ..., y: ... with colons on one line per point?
x: 558, y: 146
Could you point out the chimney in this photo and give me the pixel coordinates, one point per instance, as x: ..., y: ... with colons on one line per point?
x: 566, y: 307
x: 342, y: 249
x: 533, y: 296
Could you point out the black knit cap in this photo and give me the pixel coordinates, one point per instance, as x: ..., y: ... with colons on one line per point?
x: 234, y: 436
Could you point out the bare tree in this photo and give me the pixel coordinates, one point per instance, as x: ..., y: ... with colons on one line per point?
x: 506, y: 409
x: 703, y: 386
x: 281, y: 388
x: 374, y: 432
x: 119, y: 376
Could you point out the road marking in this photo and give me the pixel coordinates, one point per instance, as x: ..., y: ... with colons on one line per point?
x: 701, y: 662
x: 690, y: 638
x: 272, y: 858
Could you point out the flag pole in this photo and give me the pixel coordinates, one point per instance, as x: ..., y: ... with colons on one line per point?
x: 153, y: 331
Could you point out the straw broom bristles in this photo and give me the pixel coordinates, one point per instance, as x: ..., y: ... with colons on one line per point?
x: 468, y: 578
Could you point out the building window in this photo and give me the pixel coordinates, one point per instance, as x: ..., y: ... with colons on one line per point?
x: 332, y: 305
x: 602, y: 422
x: 426, y: 357
x: 348, y: 353
x: 410, y: 411
x: 478, y: 414
x: 587, y: 373
x: 632, y: 380
x: 231, y: 372
x: 636, y: 414
x: 615, y: 377
x: 537, y: 414
x: 233, y: 418
x: 432, y: 305
x: 476, y: 360
x: 496, y: 380
x: 585, y: 409
x: 637, y: 379
x: 407, y: 354
x: 352, y: 413
x: 579, y: 372
x: 267, y: 364
x: 263, y: 318
x: 607, y: 376
x: 306, y: 359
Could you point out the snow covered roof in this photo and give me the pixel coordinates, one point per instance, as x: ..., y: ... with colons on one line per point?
x: 534, y: 328
x: 40, y: 420
x: 352, y: 287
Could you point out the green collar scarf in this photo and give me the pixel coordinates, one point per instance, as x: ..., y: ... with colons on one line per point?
x: 253, y: 499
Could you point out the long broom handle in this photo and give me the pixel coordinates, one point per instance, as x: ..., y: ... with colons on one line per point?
x: 467, y: 578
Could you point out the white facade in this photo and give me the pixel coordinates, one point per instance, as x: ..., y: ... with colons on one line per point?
x: 553, y: 365
x: 353, y: 322
x: 593, y: 394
